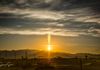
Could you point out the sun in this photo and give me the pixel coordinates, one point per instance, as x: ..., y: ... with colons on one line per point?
x: 49, y: 47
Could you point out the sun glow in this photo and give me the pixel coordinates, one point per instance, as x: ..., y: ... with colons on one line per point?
x: 49, y: 48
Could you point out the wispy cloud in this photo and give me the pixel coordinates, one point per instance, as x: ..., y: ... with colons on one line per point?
x: 74, y: 21
x: 56, y: 31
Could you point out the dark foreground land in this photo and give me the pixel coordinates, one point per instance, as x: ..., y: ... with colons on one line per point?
x: 50, y: 64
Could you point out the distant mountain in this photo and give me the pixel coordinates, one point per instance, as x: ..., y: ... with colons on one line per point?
x: 42, y: 54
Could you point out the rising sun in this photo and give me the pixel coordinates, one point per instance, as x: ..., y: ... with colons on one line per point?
x: 49, y: 48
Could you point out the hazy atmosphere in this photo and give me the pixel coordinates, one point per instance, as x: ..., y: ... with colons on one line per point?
x: 74, y: 25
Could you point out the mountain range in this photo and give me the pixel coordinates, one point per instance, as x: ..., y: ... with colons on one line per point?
x: 42, y: 54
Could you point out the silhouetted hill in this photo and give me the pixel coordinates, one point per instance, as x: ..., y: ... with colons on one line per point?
x: 42, y: 54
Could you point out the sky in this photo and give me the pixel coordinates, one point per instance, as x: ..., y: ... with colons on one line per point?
x: 74, y: 25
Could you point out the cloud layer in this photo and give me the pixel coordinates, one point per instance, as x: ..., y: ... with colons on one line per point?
x: 61, y: 17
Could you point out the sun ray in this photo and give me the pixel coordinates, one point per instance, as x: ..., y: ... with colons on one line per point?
x: 49, y: 38
x: 49, y: 46
x: 49, y: 42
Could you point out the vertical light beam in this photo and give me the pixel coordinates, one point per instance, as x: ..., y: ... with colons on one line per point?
x: 49, y: 42
x: 49, y: 38
x: 49, y: 47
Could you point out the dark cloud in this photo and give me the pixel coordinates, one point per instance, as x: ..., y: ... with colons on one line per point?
x: 72, y: 4
x: 17, y: 22
x: 81, y: 25
x: 54, y: 4
x: 5, y: 2
x: 10, y: 20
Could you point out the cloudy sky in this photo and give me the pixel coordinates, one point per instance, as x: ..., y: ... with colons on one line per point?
x: 73, y: 24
